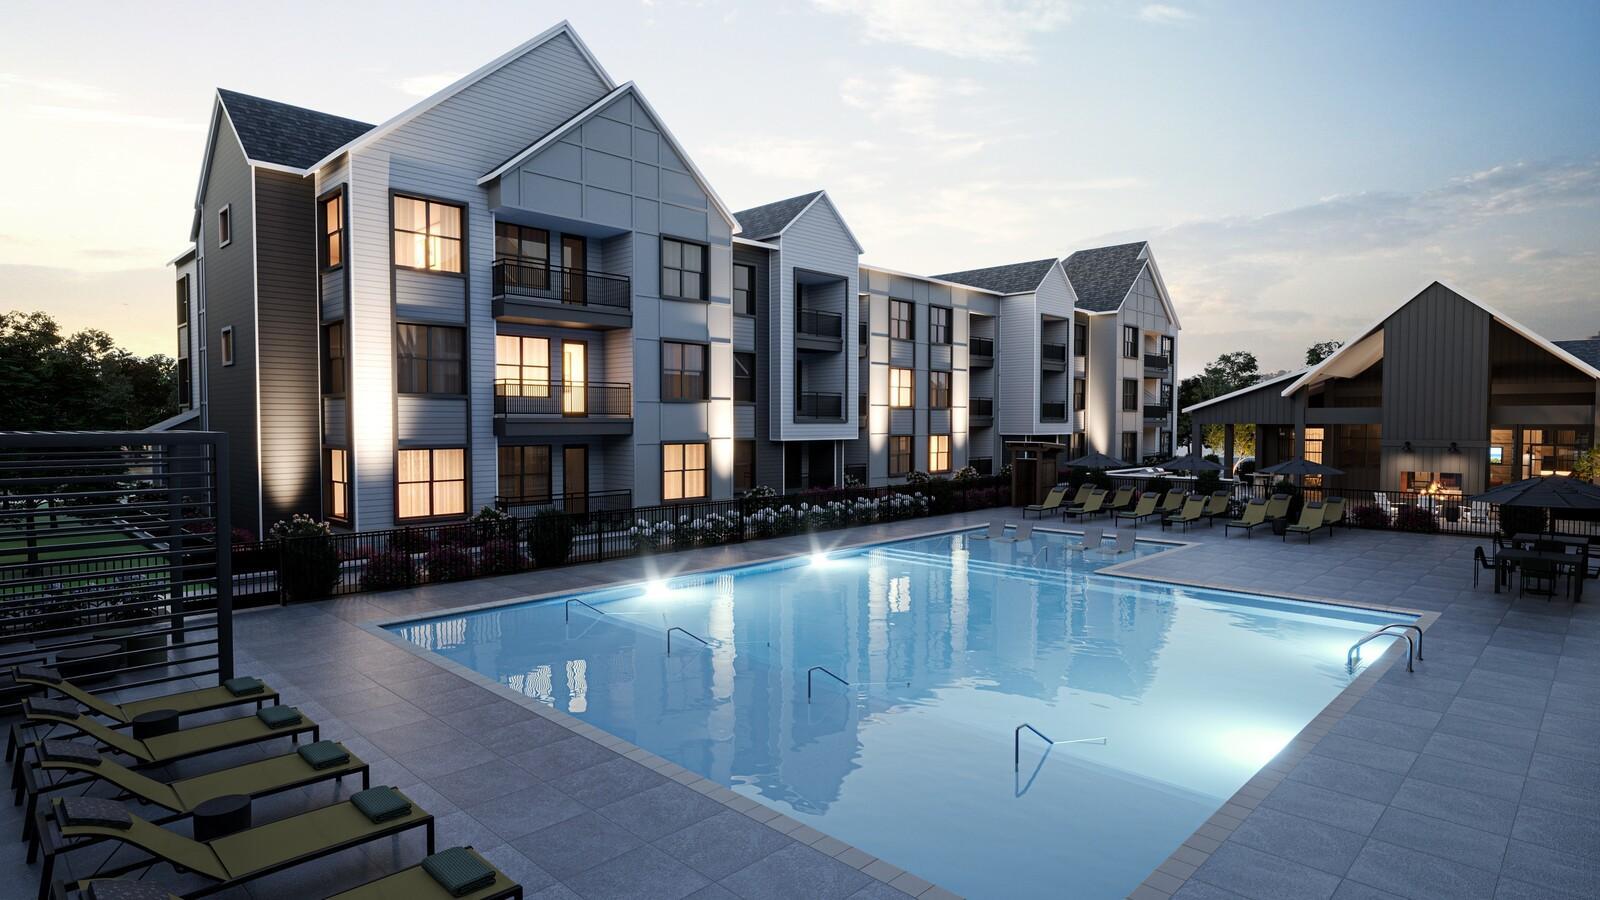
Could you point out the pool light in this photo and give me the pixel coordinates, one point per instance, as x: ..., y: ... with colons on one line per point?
x: 657, y: 590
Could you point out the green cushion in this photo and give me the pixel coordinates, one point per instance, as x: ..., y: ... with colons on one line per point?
x: 244, y: 685
x: 380, y: 804
x: 458, y: 871
x: 324, y: 754
x: 279, y: 716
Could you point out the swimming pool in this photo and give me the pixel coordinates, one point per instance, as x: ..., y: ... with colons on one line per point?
x: 949, y: 642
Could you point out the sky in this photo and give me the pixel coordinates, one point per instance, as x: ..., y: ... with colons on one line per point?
x: 1299, y: 168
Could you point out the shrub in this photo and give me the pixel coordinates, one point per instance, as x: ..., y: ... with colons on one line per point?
x: 1415, y: 518
x: 456, y: 536
x: 550, y: 537
x: 1208, y: 482
x: 966, y: 473
x: 1005, y: 471
x: 492, y: 524
x: 411, y: 540
x: 389, y: 569
x: 761, y: 492
x: 310, y: 563
x: 1522, y: 520
x: 917, y: 478
x: 1157, y: 485
x: 450, y: 562
x: 1369, y: 517
x: 1245, y: 467
x: 1098, y: 478
x: 500, y: 557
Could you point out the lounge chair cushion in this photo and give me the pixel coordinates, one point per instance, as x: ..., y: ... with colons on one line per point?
x: 244, y: 685
x: 39, y: 673
x: 66, y: 709
x: 107, y: 889
x: 94, y: 811
x: 279, y: 716
x: 458, y: 871
x: 324, y: 754
x: 69, y: 751
x: 380, y: 804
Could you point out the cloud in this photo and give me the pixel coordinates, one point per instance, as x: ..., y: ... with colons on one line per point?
x: 428, y: 85
x: 1163, y: 14
x: 914, y: 103
x: 805, y: 159
x: 135, y: 304
x: 968, y: 29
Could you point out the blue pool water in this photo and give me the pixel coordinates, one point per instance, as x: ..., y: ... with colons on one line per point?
x: 949, y: 642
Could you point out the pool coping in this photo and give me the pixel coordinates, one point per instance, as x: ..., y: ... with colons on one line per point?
x: 1160, y: 884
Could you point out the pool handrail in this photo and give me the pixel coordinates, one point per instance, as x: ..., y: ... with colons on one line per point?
x: 1016, y: 743
x: 1411, y: 646
x: 685, y: 631
x: 566, y: 608
x: 824, y: 670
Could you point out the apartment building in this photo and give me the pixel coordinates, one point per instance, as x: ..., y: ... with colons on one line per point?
x: 522, y: 291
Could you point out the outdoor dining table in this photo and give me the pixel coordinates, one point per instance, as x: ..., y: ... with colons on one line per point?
x: 1505, y: 558
x: 1571, y: 541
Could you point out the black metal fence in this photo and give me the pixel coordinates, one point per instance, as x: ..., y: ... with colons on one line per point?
x: 819, y: 323
x: 516, y: 277
x: 310, y: 568
x: 110, y: 567
x: 598, y: 399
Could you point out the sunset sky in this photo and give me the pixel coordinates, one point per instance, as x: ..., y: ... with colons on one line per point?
x: 1299, y: 168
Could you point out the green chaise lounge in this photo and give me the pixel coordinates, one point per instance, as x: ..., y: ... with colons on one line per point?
x: 1193, y: 511
x: 1122, y: 499
x: 419, y: 883
x: 1052, y: 502
x: 1144, y: 510
x: 1255, y: 513
x: 1216, y: 505
x: 1310, y: 521
x: 1278, y: 507
x: 1333, y: 512
x: 1171, y: 503
x: 1090, y: 506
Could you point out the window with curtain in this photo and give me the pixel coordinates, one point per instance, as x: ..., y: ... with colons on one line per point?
x: 744, y: 377
x: 899, y: 454
x: 901, y: 392
x: 431, y: 483
x: 938, y: 453
x: 333, y: 362
x: 522, y: 365
x: 938, y: 390
x: 683, y: 371
x: 427, y: 235
x: 526, y: 255
x: 744, y: 290
x: 902, y: 315
x: 683, y: 270
x: 333, y: 232
x: 429, y: 359
x: 683, y: 471
x: 524, y: 473
x: 336, y: 484
x: 938, y: 324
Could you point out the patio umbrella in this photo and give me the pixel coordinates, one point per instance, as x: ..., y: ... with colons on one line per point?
x: 1195, y: 464
x: 1300, y: 466
x: 1549, y: 492
x: 1096, y: 460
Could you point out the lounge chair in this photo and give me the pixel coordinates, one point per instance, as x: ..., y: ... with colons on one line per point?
x: 1093, y: 536
x: 1278, y: 507
x: 1084, y: 490
x: 229, y: 860
x: 1089, y: 507
x: 1333, y: 513
x: 1255, y: 513
x: 1216, y: 505
x: 1193, y: 510
x: 77, y: 764
x: 417, y: 882
x: 1310, y: 521
x: 1122, y: 499
x: 1171, y: 503
x: 1145, y: 509
x: 996, y: 532
x: 1052, y: 501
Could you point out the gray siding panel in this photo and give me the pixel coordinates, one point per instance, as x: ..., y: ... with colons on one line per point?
x: 335, y: 421
x: 332, y: 295
x: 1436, y: 369
x: 429, y: 297
x: 426, y: 421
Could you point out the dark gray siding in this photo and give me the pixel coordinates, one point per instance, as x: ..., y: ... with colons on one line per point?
x: 769, y: 453
x: 1436, y: 369
x: 1263, y: 405
x: 286, y: 289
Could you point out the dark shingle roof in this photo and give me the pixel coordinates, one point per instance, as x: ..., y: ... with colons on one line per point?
x: 1586, y: 350
x: 1014, y: 278
x: 1103, y: 276
x: 764, y: 221
x: 287, y: 135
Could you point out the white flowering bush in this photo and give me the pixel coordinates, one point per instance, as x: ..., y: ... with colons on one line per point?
x: 773, y: 521
x: 648, y: 537
x: 904, y: 506
x: 710, y: 529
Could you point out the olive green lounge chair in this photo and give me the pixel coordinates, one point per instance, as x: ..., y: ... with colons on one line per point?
x: 1216, y: 505
x: 1089, y: 507
x: 1171, y: 503
x: 1193, y: 511
x: 1255, y: 513
x: 1082, y: 496
x: 1144, y: 510
x: 1052, y: 502
x: 1122, y: 499
x: 1278, y: 507
x: 1310, y: 521
x: 267, y: 724
x: 231, y: 860
x: 1333, y: 513
x: 74, y: 764
x: 433, y: 878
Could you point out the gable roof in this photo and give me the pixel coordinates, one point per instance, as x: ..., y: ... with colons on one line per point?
x: 628, y: 89
x: 1592, y: 369
x: 283, y: 134
x: 1012, y: 278
x: 1587, y: 350
x: 1265, y: 382
x: 1103, y: 276
x: 770, y: 219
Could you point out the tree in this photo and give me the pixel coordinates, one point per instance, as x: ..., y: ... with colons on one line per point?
x: 1321, y: 350
x: 79, y: 382
x: 1223, y: 375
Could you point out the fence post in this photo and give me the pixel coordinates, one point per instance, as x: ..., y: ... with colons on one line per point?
x: 222, y: 539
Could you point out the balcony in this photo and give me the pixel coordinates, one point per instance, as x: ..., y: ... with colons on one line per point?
x: 1053, y: 357
x: 530, y: 291
x: 816, y: 329
x: 1052, y: 412
x: 1157, y: 411
x: 1156, y: 362
x: 980, y: 353
x: 540, y: 408
x: 863, y: 338
x: 819, y: 407
x: 980, y: 412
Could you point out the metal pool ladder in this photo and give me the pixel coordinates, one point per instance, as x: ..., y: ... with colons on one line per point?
x: 1413, y: 648
x: 566, y: 608
x: 1016, y: 743
x: 829, y: 672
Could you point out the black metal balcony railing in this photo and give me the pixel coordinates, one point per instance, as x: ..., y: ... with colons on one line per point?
x: 981, y: 347
x: 594, y: 399
x: 813, y: 405
x: 1157, y: 410
x: 819, y: 323
x: 863, y: 334
x: 1053, y: 352
x: 1052, y: 412
x: 515, y: 277
x: 1156, y: 361
x: 982, y: 406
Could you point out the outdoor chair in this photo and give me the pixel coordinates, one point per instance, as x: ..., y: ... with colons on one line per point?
x: 433, y: 878
x: 1481, y: 562
x: 1171, y: 503
x: 1278, y: 507
x: 1193, y: 510
x: 1084, y: 490
x: 1144, y: 510
x: 1052, y: 501
x: 1124, y: 543
x: 1091, y: 506
x: 1093, y: 536
x: 1122, y: 499
x: 996, y: 532
x: 1310, y: 521
x: 1022, y: 532
x: 1333, y: 513
x: 1216, y: 505
x: 233, y: 859
x: 1255, y: 513
x: 1542, y: 573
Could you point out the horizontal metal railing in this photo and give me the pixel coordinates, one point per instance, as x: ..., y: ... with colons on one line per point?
x: 1053, y: 352
x: 817, y: 405
x: 1156, y: 361
x: 1052, y: 412
x: 531, y: 278
x: 593, y: 399
x: 819, y: 323
x: 981, y: 347
x: 575, y: 502
x: 980, y: 406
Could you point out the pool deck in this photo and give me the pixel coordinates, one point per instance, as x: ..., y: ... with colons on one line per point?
x: 1477, y: 776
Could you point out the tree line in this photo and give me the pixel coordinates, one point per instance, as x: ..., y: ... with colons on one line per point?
x: 82, y: 381
x: 1224, y: 375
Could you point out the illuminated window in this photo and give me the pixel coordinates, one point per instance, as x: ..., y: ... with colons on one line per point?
x: 938, y: 390
x: 336, y: 484
x: 938, y: 453
x: 683, y: 270
x: 333, y: 358
x: 901, y: 319
x: 899, y: 454
x: 431, y: 483
x: 427, y: 235
x: 524, y: 475
x: 430, y: 359
x: 333, y: 232
x: 1314, y: 441
x: 683, y: 471
x: 938, y: 324
x: 901, y: 393
x: 521, y: 366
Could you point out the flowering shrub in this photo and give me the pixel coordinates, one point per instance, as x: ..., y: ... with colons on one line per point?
x: 1369, y: 517
x: 774, y: 521
x: 389, y: 569
x: 903, y: 506
x: 500, y: 557
x: 966, y: 473
x: 299, y: 526
x: 917, y: 478
x: 1415, y: 518
x: 760, y: 492
x: 648, y: 537
x: 450, y: 562
x: 308, y: 561
x: 850, y: 481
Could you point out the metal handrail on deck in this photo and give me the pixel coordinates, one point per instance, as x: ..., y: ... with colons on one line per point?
x: 685, y: 631
x: 1411, y: 646
x: 1016, y: 743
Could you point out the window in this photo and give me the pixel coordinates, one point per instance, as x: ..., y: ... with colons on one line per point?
x: 938, y: 324
x: 333, y: 358
x: 683, y: 471
x: 744, y: 290
x: 429, y: 359
x: 744, y: 378
x: 227, y: 345
x: 1080, y: 339
x: 683, y: 270
x: 185, y: 372
x: 225, y: 226
x: 1130, y: 342
x: 1167, y: 346
x: 1315, y: 437
x: 899, y: 454
x: 525, y: 474
x: 336, y: 484
x: 427, y: 235
x: 1130, y: 395
x: 521, y: 366
x: 683, y: 371
x: 333, y: 232
x: 901, y: 314
x: 938, y: 390
x: 938, y: 453
x: 1080, y: 395
x: 744, y: 465
x: 524, y: 253
x: 1130, y: 447
x: 431, y: 483
x: 901, y: 394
